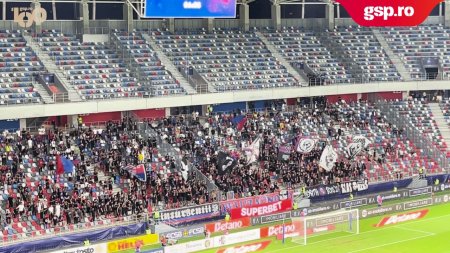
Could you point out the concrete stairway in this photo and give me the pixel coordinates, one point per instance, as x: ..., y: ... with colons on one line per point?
x: 46, y: 97
x: 74, y: 96
x: 443, y: 126
x: 281, y: 59
x: 417, y: 183
x: 169, y: 65
x: 396, y: 61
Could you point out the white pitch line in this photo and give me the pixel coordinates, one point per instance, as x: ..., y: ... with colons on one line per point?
x: 388, y: 244
x: 415, y: 230
x: 366, y: 232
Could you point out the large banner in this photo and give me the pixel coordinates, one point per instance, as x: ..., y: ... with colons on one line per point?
x: 284, y: 152
x: 226, y: 206
x: 354, y: 186
x: 130, y: 243
x: 263, y: 209
x: 193, y: 213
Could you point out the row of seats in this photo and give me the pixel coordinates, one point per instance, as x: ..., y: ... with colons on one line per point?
x: 94, y: 70
x: 363, y: 48
x: 230, y: 60
x: 160, y: 82
x: 414, y: 44
x: 299, y: 46
x: 18, y: 65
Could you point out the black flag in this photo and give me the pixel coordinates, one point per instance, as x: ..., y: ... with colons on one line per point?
x: 225, y: 163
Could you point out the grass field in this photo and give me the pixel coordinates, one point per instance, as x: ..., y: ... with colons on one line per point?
x: 430, y: 234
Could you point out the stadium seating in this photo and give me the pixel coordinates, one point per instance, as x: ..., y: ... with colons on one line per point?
x: 18, y: 64
x: 412, y: 44
x: 230, y: 60
x: 420, y: 116
x: 92, y: 68
x: 299, y: 46
x: 361, y: 45
x: 160, y: 82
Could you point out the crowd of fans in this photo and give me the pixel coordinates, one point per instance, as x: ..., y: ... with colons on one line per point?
x: 103, y: 185
x: 99, y: 188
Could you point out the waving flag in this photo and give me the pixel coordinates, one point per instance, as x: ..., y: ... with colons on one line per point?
x: 361, y: 139
x: 59, y: 165
x: 252, y: 151
x: 240, y: 121
x: 225, y: 163
x: 305, y: 145
x: 139, y: 172
x: 284, y: 153
x: 353, y: 149
x: 68, y: 165
x: 328, y: 158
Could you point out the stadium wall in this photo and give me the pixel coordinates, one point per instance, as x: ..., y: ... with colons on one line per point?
x: 131, y: 104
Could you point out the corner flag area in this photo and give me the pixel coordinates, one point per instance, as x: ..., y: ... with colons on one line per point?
x: 404, y: 233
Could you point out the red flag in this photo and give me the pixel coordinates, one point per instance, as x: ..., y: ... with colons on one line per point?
x: 241, y: 124
x: 59, y: 166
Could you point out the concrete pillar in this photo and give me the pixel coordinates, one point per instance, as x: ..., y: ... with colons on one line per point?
x: 405, y: 95
x: 329, y: 15
x: 84, y: 12
x: 23, y: 124
x: 276, y: 16
x: 37, y: 26
x: 171, y: 25
x: 72, y: 120
x: 244, y: 12
x: 167, y: 112
x: 209, y: 24
x: 447, y: 15
x: 128, y: 15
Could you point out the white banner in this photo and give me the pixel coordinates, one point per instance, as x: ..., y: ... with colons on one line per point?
x: 214, y: 242
x: 305, y: 145
x: 328, y: 158
x: 97, y: 248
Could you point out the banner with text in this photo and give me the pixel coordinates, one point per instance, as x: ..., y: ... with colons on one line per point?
x: 263, y: 209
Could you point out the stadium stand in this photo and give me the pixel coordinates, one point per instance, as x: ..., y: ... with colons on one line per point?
x: 300, y: 46
x: 230, y: 60
x: 361, y: 45
x: 18, y: 65
x: 414, y: 44
x: 160, y: 82
x: 92, y: 68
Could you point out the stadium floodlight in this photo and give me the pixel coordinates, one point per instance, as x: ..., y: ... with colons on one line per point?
x: 340, y: 223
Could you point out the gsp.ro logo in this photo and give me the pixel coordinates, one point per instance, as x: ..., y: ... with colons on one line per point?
x: 26, y: 16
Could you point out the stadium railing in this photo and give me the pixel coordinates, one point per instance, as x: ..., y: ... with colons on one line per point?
x: 79, y: 228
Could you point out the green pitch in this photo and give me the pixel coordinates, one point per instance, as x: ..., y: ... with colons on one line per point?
x: 430, y: 234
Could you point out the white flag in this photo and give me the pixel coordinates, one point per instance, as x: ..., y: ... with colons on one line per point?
x: 361, y: 139
x: 328, y: 158
x: 305, y: 145
x: 353, y: 149
x: 252, y: 151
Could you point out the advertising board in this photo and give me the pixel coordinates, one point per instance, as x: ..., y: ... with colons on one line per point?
x: 263, y: 209
x: 221, y: 226
x: 97, y: 248
x: 184, y: 233
x: 192, y: 213
x: 130, y: 243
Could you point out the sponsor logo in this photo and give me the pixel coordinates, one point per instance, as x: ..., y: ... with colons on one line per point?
x: 187, y: 232
x: 364, y: 213
x: 418, y: 203
x: 420, y: 191
x: 353, y: 203
x: 275, y: 217
x: 246, y: 248
x: 223, y: 225
x: 280, y: 206
x: 400, y: 218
